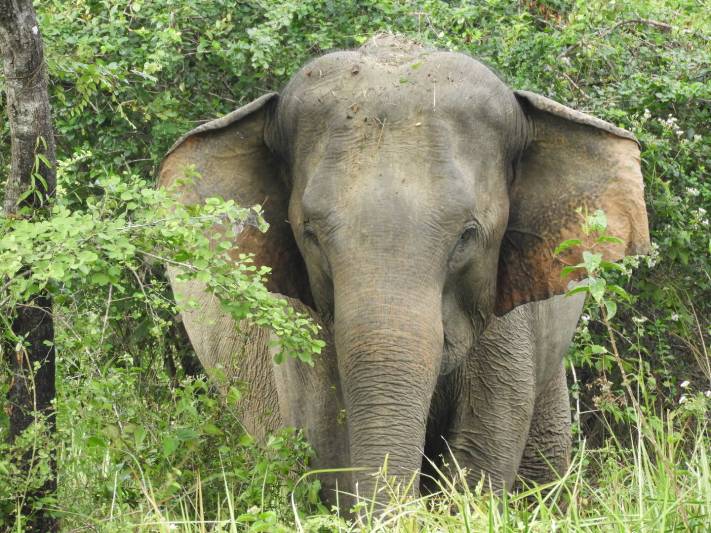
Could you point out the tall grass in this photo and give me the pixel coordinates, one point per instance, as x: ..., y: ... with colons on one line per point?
x: 662, y: 482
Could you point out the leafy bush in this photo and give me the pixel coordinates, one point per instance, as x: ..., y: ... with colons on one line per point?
x: 156, y: 445
x: 128, y: 77
x: 114, y: 316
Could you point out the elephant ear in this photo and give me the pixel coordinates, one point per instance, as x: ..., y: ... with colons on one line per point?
x: 233, y: 162
x: 572, y: 161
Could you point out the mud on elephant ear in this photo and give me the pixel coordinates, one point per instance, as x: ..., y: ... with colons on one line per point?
x: 233, y: 162
x: 572, y: 160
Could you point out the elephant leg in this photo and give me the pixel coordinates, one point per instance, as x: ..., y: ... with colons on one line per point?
x: 291, y: 394
x: 495, y: 394
x: 547, y: 451
x: 310, y: 398
x: 232, y: 353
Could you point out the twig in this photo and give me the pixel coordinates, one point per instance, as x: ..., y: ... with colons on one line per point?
x: 129, y: 227
x: 382, y: 128
x: 170, y: 261
x: 574, y: 84
x: 33, y: 386
x: 577, y: 405
x: 106, y: 314
x: 147, y: 303
x: 230, y: 100
x: 662, y: 26
x: 707, y: 370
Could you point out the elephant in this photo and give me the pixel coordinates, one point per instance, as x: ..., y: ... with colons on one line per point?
x: 414, y: 203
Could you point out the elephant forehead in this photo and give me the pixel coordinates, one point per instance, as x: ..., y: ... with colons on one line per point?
x: 352, y: 89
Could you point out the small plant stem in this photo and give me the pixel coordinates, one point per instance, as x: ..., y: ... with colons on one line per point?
x: 641, y: 419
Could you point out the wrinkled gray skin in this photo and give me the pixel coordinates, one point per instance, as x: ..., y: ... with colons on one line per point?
x: 398, y: 165
x: 401, y: 246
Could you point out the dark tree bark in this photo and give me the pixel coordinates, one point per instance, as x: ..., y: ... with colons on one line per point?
x: 32, y: 387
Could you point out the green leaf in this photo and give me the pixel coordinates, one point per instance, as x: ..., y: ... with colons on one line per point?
x: 591, y: 261
x: 570, y: 269
x: 597, y: 222
x: 611, y: 308
x: 597, y: 288
x: 56, y: 271
x: 609, y: 238
x: 305, y: 357
x: 619, y: 291
x: 279, y: 357
x: 170, y: 444
x: 566, y: 245
x: 607, y: 265
x: 211, y: 429
x: 87, y: 256
x: 578, y: 289
x: 95, y: 442
x: 100, y: 278
x: 233, y: 396
x: 139, y: 436
x: 186, y: 434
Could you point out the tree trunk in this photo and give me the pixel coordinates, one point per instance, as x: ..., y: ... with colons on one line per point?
x: 32, y: 387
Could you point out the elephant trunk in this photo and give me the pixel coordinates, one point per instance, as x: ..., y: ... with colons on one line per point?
x: 389, y: 344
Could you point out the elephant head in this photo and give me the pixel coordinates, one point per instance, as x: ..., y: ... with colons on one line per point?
x: 411, y: 196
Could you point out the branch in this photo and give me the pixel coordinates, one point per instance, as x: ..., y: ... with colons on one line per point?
x: 661, y: 26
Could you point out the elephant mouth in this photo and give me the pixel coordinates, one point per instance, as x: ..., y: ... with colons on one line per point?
x: 457, y: 348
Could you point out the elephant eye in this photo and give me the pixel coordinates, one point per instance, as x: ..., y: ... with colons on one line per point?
x: 462, y: 251
x: 469, y: 234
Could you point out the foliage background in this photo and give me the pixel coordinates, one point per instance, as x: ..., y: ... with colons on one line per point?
x: 128, y: 77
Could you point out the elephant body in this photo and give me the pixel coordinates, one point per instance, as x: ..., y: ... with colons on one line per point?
x: 414, y: 202
x: 504, y: 412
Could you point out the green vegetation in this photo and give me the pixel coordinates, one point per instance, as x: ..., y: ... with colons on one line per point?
x: 144, y: 445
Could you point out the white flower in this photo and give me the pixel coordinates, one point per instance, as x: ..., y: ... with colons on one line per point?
x: 701, y: 211
x: 653, y: 256
x: 674, y: 317
x: 692, y: 191
x: 697, y: 137
x: 707, y: 393
x: 585, y: 318
x: 647, y: 114
x: 682, y: 399
x: 630, y: 261
x: 684, y: 384
x: 639, y: 319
